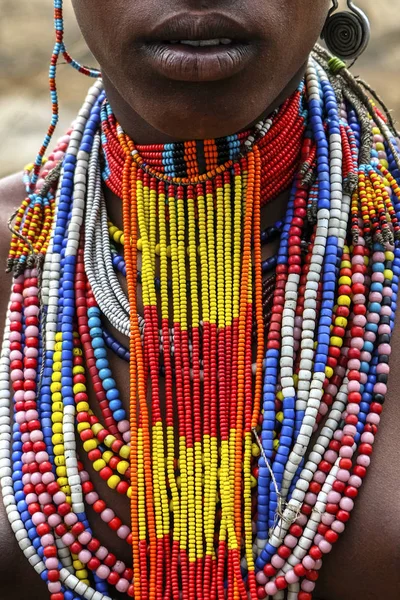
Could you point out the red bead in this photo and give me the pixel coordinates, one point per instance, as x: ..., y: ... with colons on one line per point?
x: 331, y: 536
x: 365, y: 449
x: 312, y: 575
x: 315, y: 553
x: 304, y: 596
x: 343, y: 515
x: 269, y: 570
x: 280, y: 583
x: 53, y: 575
x: 300, y: 570
x: 284, y: 551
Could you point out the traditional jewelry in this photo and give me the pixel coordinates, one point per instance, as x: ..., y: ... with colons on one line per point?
x: 229, y: 497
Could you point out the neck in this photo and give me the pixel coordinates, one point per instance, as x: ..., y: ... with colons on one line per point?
x: 143, y: 132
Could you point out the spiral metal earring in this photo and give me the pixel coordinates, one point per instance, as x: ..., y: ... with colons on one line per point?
x: 346, y: 33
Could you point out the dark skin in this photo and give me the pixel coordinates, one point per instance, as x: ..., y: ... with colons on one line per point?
x: 160, y: 100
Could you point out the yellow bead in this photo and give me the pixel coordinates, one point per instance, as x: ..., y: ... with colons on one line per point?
x: 336, y: 341
x: 344, y: 301
x: 57, y: 439
x: 81, y: 574
x: 82, y: 427
x: 113, y: 481
x: 56, y: 397
x: 79, y: 387
x: 77, y: 352
x: 59, y: 461
x: 129, y: 492
x: 82, y: 407
x: 279, y: 396
x: 78, y: 370
x: 58, y: 450
x: 380, y: 147
x: 107, y: 455
x: 328, y: 372
x: 57, y: 428
x: 122, y: 467
x: 255, y: 450
x: 139, y: 245
x: 388, y: 274
x: 345, y: 280
x: 253, y: 481
x: 56, y: 376
x: 89, y: 445
x: 96, y: 428
x: 276, y: 445
x: 340, y: 322
x: 279, y: 417
x: 125, y: 452
x: 57, y: 417
x: 62, y: 472
x: 58, y: 337
x: 57, y: 357
x: 99, y: 464
x: 389, y: 255
x: 122, y: 239
x: 55, y: 387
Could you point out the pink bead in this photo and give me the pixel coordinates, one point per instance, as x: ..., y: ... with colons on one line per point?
x: 347, y: 504
x: 332, y: 389
x: 325, y: 546
x: 318, y: 538
x: 16, y: 355
x: 16, y: 316
x: 107, y: 515
x: 31, y: 291
x: 54, y: 520
x: 385, y: 349
x: 373, y: 418
x: 367, y: 438
x: 350, y: 430
x: 15, y: 336
x: 353, y: 386
x: 101, y: 553
x: 16, y: 375
x: 357, y: 259
x: 374, y: 318
x: 32, y: 331
x: 19, y: 395
x: 353, y: 409
x: 30, y: 374
x: 355, y: 481
x: 36, y: 436
x: 386, y: 311
x: 290, y: 541
x: 122, y: 586
x: 363, y: 378
x: 346, y: 452
x: 31, y: 415
x: 261, y: 578
x: 52, y: 563
x: 378, y: 257
x: 42, y: 457
x: 343, y: 475
x: 91, y: 498
x: 45, y: 498
x: 382, y: 329
x: 365, y: 356
x: 387, y: 291
x: 330, y: 456
x: 338, y: 526
x: 47, y: 540
x: 70, y: 519
x: 291, y: 577
x: 320, y: 477
x: 308, y: 562
x: 26, y: 478
x: 16, y: 297
x: 59, y: 497
x: 338, y: 435
x: 277, y: 561
x: 307, y: 586
x: 119, y: 567
x: 359, y: 320
x: 123, y: 426
x: 380, y: 388
x: 84, y: 556
x: 383, y: 368
x: 310, y: 498
x: 323, y: 409
x: 302, y: 520
x: 54, y: 587
x: 84, y: 537
x: 28, y: 458
x: 31, y: 352
x: 47, y: 478
x: 123, y: 532
x: 38, y: 518
x: 30, y: 395
x: 334, y: 497
x: 31, y: 311
x: 84, y: 475
x: 68, y: 539
x: 357, y: 278
x: 103, y: 572
x: 271, y: 588
x: 354, y: 363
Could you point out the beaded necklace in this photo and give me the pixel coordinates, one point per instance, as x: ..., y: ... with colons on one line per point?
x: 228, y: 497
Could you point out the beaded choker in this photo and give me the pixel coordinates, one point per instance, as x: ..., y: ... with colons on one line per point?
x: 231, y: 495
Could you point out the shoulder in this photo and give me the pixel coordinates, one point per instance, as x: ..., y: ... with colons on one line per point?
x: 16, y: 575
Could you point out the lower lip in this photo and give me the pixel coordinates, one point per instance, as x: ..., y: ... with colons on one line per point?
x: 198, y: 63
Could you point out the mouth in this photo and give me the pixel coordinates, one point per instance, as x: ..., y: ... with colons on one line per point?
x: 199, y: 47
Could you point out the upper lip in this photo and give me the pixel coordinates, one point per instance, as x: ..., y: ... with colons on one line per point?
x: 198, y: 26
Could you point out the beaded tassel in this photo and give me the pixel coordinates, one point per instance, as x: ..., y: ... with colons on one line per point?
x: 229, y: 499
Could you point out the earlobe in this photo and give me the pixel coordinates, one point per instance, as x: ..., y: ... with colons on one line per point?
x: 346, y: 33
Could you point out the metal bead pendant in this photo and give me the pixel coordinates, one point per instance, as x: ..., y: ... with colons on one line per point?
x: 346, y: 33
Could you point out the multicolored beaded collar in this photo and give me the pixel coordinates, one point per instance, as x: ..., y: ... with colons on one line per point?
x: 231, y: 495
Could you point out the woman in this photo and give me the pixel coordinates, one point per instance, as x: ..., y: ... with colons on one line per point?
x: 210, y: 473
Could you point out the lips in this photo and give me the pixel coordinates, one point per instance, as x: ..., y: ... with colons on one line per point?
x: 198, y: 47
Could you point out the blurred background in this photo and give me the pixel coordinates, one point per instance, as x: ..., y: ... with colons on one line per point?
x: 26, y: 41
